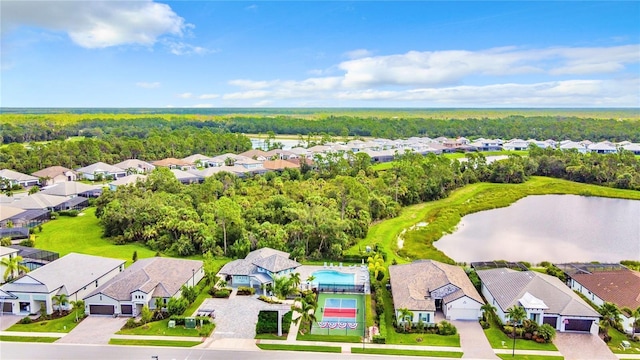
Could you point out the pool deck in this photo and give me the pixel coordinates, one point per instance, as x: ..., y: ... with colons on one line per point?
x: 360, y: 271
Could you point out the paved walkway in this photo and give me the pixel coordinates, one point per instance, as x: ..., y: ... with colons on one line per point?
x: 473, y: 341
x: 6, y: 321
x: 94, y: 330
x: 575, y: 346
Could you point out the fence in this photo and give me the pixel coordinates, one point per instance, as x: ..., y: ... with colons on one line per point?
x: 340, y: 288
x: 338, y: 328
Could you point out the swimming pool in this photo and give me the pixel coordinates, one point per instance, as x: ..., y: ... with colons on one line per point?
x: 333, y: 277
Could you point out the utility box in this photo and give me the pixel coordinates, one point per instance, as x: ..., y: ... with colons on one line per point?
x: 190, y: 323
x: 172, y: 323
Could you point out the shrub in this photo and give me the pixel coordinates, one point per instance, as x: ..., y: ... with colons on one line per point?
x: 26, y: 320
x: 268, y: 322
x: 546, y: 332
x: 222, y: 293
x: 176, y: 306
x: 131, y: 323
x: 269, y: 300
x: 28, y: 242
x: 70, y: 213
x: 485, y: 324
x: 5, y: 241
x: 379, y: 339
x: 245, y: 290
x: 446, y: 328
x: 189, y: 293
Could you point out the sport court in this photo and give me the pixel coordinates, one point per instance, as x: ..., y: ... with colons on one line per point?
x: 339, y: 314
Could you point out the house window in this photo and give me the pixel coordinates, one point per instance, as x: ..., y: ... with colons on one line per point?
x: 96, y: 283
x: 164, y: 300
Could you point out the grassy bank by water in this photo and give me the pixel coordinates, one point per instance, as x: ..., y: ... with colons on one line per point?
x: 443, y: 215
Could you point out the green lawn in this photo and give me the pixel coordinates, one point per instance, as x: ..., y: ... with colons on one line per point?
x: 39, y: 339
x: 161, y: 328
x: 448, y: 354
x: 529, y: 357
x: 312, y: 348
x: 616, y: 340
x: 329, y: 338
x: 61, y: 325
x: 389, y: 165
x: 443, y: 215
x: 496, y: 338
x: 271, y: 337
x: 83, y: 234
x: 174, y: 343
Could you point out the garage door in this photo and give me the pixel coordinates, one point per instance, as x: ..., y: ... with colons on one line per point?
x: 578, y: 325
x: 7, y: 307
x: 550, y: 320
x: 463, y: 314
x: 101, y: 309
x: 127, y: 309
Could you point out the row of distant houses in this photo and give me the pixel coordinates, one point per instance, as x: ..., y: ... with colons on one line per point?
x: 425, y: 287
x: 103, y: 283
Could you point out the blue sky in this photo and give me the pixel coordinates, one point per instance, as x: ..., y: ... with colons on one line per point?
x: 320, y: 54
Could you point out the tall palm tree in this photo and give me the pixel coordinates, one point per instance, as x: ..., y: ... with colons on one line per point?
x: 77, y: 305
x: 489, y: 312
x: 310, y: 280
x: 405, y: 316
x: 295, y: 280
x: 59, y: 301
x: 610, y: 317
x: 516, y: 314
x: 307, y: 313
x: 636, y: 320
x: 13, y: 265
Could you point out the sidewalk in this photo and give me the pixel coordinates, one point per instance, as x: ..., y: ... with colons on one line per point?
x: 32, y: 334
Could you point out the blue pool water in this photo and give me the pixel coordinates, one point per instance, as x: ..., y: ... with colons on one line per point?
x: 333, y: 277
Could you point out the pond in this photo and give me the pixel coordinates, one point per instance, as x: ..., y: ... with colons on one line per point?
x: 556, y: 228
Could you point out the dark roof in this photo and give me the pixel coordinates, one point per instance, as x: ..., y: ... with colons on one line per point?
x: 620, y: 287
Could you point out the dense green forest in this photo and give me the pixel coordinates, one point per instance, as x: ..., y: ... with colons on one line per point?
x: 317, y: 213
x: 46, y: 127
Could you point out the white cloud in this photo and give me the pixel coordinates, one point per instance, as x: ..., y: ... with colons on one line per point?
x: 202, y: 105
x: 358, y: 53
x: 182, y: 48
x: 252, y: 7
x: 250, y: 84
x: 97, y: 23
x: 186, y: 95
x: 148, y: 85
x: 208, y: 96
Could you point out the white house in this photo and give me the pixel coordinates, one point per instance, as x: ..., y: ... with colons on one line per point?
x: 258, y: 268
x: 427, y: 286
x: 17, y: 178
x: 100, y: 169
x: 620, y: 287
x: 75, y: 275
x: 135, y: 166
x: 546, y: 299
x: 141, y: 283
x: 54, y: 175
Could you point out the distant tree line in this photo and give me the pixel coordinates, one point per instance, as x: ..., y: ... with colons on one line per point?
x: 46, y: 127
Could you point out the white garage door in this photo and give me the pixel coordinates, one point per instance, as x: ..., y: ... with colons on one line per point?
x: 462, y: 314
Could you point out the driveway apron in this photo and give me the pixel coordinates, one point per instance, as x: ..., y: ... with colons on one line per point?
x: 473, y: 342
x: 575, y: 346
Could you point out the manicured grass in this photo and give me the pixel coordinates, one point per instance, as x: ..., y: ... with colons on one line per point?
x: 389, y: 165
x: 61, y: 325
x: 329, y: 338
x: 83, y: 234
x: 39, y: 339
x: 173, y: 343
x: 204, y: 293
x: 496, y: 337
x: 616, y: 340
x: 370, y: 313
x: 271, y: 337
x: 448, y: 354
x: 160, y: 328
x: 529, y: 357
x: 312, y: 348
x: 443, y: 215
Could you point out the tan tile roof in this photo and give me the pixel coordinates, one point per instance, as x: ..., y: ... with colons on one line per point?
x: 278, y: 164
x: 51, y: 172
x: 171, y: 162
x: 412, y: 283
x: 621, y: 287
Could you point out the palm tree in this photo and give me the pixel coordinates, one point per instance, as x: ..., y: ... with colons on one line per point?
x: 310, y: 280
x: 488, y: 311
x: 59, y: 301
x: 159, y: 304
x: 77, y: 305
x: 13, y: 265
x: 307, y: 313
x: 295, y: 280
x: 610, y: 317
x: 516, y: 314
x: 636, y: 320
x: 282, y: 287
x: 405, y: 316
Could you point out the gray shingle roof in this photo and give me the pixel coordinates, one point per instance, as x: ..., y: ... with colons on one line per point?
x: 69, y: 188
x: 265, y: 253
x: 17, y: 176
x: 237, y: 267
x: 508, y: 286
x: 276, y: 263
x: 163, y: 277
x: 100, y: 167
x: 73, y: 271
x: 410, y: 283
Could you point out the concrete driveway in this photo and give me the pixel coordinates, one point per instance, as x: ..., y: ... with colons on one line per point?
x: 94, y: 330
x: 237, y: 317
x: 473, y: 342
x: 7, y: 320
x: 574, y: 346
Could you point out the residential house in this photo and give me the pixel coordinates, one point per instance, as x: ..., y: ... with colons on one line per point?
x: 620, y: 287
x: 603, y: 147
x: 127, y: 180
x: 40, y: 201
x: 258, y: 268
x: 54, y: 175
x: 516, y: 145
x: 186, y: 177
x: 279, y: 165
x: 173, y: 163
x: 256, y: 154
x: 545, y: 298
x: 102, y: 171
x: 634, y: 148
x: 141, y: 284
x: 21, y: 220
x: 487, y: 144
x: 16, y: 178
x: 75, y: 275
x: 135, y: 166
x: 73, y: 189
x: 426, y: 286
x: 196, y: 159
x: 572, y: 145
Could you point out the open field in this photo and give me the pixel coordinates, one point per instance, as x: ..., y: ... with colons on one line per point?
x: 443, y: 215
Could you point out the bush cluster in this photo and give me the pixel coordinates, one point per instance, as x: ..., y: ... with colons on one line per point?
x: 180, y: 320
x: 245, y: 290
x: 70, y: 213
x: 268, y: 322
x: 268, y: 300
x: 220, y: 293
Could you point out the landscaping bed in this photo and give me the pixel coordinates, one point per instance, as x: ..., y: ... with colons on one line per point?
x: 58, y: 323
